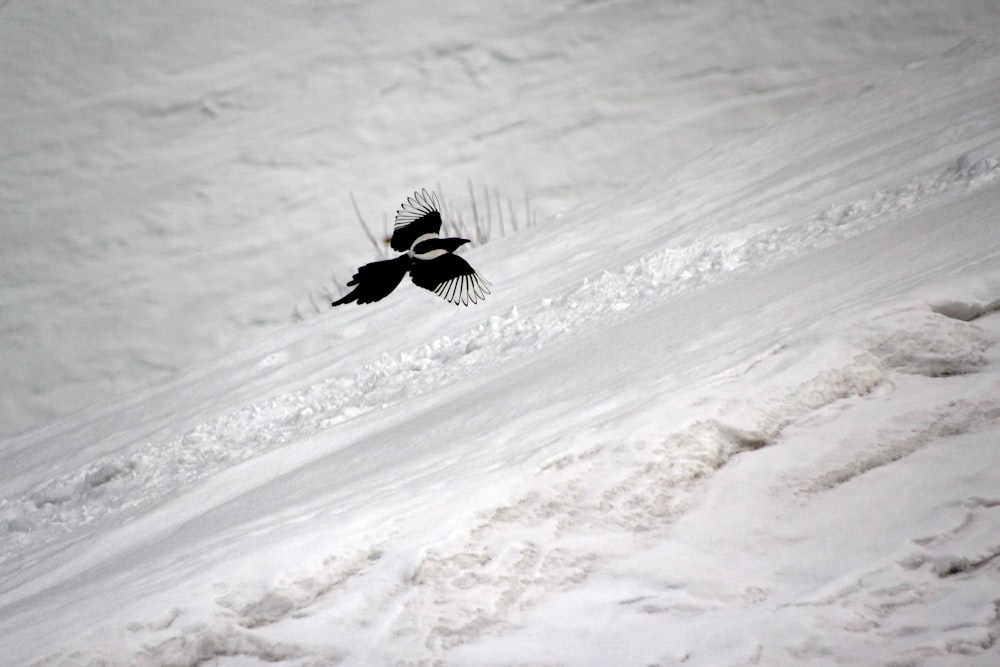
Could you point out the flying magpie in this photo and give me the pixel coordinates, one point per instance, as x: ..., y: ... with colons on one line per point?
x: 430, y: 259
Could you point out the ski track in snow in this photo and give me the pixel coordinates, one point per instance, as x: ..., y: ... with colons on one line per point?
x: 135, y: 478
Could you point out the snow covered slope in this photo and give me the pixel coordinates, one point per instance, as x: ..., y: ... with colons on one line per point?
x: 175, y: 177
x: 743, y: 412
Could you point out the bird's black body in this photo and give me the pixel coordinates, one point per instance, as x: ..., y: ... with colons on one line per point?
x: 429, y: 259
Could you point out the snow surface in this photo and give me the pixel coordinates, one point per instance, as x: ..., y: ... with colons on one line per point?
x: 744, y: 410
x: 176, y: 177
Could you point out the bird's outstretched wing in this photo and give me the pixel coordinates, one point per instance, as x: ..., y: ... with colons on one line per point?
x: 376, y: 280
x: 451, y: 278
x: 418, y: 215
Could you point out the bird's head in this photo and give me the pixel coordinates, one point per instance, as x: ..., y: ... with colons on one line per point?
x: 451, y: 245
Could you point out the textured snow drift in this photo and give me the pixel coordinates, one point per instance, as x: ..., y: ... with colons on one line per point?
x: 742, y: 412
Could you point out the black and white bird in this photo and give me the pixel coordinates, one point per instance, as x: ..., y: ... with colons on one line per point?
x: 430, y: 260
